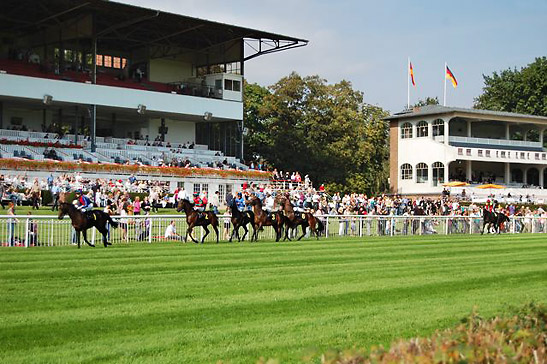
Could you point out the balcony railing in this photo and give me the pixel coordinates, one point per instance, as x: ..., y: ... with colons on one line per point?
x: 493, y: 142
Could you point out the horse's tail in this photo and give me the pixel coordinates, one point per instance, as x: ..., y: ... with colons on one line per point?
x: 320, y: 225
x: 113, y: 223
x: 251, y: 216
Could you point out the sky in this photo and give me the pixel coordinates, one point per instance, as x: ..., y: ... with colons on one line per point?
x: 369, y: 42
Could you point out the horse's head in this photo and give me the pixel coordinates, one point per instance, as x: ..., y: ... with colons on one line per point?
x: 184, y: 204
x: 63, y: 210
x: 253, y: 200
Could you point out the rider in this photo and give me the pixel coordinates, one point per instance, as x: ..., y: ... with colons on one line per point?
x: 488, y: 206
x: 198, y: 203
x: 240, y: 202
x: 84, y: 203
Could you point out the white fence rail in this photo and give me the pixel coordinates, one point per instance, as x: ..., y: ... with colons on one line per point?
x: 30, y: 230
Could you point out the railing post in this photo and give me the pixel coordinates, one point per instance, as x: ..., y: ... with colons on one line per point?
x: 27, y: 233
x: 149, y: 229
x: 93, y: 236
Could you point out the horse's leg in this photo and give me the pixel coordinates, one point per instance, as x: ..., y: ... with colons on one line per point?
x: 84, y: 232
x: 287, y: 231
x: 206, y: 233
x: 483, y: 225
x: 246, y: 231
x: 189, y: 233
x: 215, y: 228
x: 78, y: 238
x: 104, y: 231
x: 303, y: 232
x: 232, y: 235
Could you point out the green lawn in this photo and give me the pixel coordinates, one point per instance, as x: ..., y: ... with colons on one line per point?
x: 187, y: 303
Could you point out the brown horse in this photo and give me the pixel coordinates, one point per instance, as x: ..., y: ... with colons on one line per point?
x: 81, y: 221
x: 292, y: 220
x: 195, y: 218
x: 262, y: 219
x: 241, y: 219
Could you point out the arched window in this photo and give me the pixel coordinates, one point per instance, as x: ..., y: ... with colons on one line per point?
x: 438, y: 127
x: 421, y: 129
x: 421, y: 173
x: 406, y: 131
x: 406, y: 171
x: 438, y: 173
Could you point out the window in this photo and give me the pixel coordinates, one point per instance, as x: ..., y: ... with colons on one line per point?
x: 421, y: 173
x: 438, y: 173
x: 99, y: 60
x: 231, y: 67
x: 116, y: 62
x: 468, y: 152
x: 487, y: 153
x: 201, y: 188
x: 438, y: 127
x: 480, y: 152
x: 406, y: 131
x: 406, y: 171
x: 421, y: 129
x: 232, y: 85
x: 107, y: 61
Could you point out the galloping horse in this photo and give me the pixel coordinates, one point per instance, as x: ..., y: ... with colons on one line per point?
x: 195, y: 218
x: 81, y: 221
x: 241, y: 219
x: 292, y: 221
x: 262, y: 219
x: 492, y: 219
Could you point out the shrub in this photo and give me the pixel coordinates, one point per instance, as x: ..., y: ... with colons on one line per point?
x: 521, y: 338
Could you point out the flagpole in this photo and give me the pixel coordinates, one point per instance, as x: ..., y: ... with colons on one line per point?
x: 444, y: 74
x: 408, y: 84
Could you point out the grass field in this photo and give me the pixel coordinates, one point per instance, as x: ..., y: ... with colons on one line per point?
x: 185, y: 303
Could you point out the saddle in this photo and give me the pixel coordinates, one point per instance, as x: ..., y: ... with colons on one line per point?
x: 90, y: 215
x: 202, y: 215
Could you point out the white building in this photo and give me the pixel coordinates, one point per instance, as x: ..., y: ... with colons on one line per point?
x: 434, y: 144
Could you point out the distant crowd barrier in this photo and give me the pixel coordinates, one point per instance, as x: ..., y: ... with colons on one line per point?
x: 29, y: 231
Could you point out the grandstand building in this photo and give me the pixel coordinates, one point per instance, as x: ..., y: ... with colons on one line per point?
x: 129, y: 84
x: 432, y: 145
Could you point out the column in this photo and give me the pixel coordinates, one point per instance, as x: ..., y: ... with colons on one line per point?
x: 541, y: 136
x: 507, y: 131
x: 446, y: 167
x: 430, y: 174
x: 446, y: 133
x: 507, y: 178
x: 1, y: 115
x: 525, y: 176
x: 469, y: 128
x: 469, y: 172
x: 430, y: 129
x: 541, y: 181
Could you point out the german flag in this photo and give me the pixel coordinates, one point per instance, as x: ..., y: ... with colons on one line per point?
x: 451, y: 77
x: 412, y: 75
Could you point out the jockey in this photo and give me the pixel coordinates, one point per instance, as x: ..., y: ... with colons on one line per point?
x: 198, y: 202
x: 240, y: 202
x: 84, y: 203
x: 488, y: 206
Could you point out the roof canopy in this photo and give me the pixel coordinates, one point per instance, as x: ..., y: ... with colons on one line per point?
x: 127, y: 27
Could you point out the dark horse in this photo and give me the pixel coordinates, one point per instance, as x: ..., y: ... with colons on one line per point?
x: 81, y: 221
x: 241, y: 219
x: 196, y: 218
x: 262, y: 219
x: 292, y: 220
x: 492, y: 219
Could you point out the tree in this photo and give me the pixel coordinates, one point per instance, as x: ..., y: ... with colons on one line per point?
x: 325, y: 131
x: 521, y: 91
x: 253, y: 102
x: 428, y: 101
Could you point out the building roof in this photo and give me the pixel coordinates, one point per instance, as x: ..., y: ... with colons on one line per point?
x: 127, y: 27
x: 429, y: 110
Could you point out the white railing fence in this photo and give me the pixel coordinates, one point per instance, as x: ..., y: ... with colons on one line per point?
x: 28, y: 231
